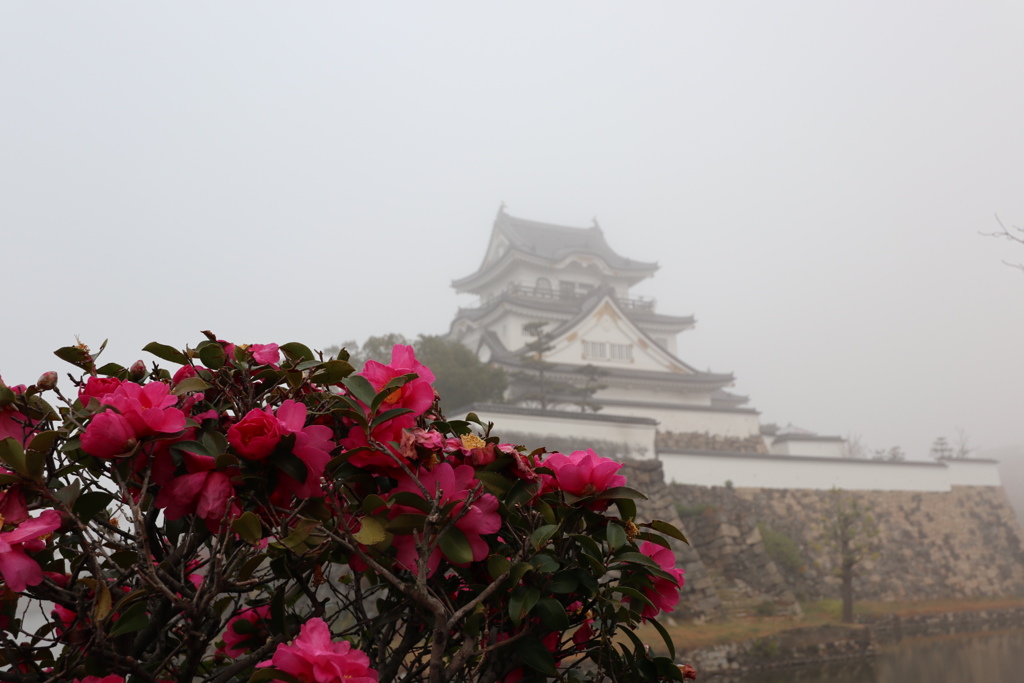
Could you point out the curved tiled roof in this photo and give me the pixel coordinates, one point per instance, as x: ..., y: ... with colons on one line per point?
x: 555, y: 242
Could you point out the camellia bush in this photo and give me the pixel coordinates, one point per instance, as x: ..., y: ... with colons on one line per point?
x: 260, y: 513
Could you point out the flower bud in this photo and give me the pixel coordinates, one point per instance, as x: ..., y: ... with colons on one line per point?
x: 137, y: 371
x: 47, y: 381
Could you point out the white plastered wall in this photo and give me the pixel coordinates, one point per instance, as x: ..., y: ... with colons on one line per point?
x: 826, y: 473
x: 638, y: 437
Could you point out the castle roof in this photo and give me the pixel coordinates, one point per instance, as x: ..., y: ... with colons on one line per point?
x: 529, y: 299
x: 550, y: 244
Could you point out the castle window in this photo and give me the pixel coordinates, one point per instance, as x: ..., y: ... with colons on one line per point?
x: 622, y: 353
x: 543, y: 286
x: 595, y: 350
x: 566, y: 289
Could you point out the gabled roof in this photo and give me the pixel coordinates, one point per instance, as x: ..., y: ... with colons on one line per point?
x: 675, y: 372
x: 551, y: 244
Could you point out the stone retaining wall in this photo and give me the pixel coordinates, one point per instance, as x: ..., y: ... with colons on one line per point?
x: 957, y: 544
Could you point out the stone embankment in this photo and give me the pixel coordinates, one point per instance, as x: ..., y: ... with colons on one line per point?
x: 964, y: 543
x: 836, y: 643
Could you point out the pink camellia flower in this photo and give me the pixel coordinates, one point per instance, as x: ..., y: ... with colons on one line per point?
x: 257, y: 434
x: 12, y: 502
x: 664, y: 593
x: 98, y: 387
x: 583, y: 473
x: 17, y: 568
x: 416, y: 395
x: 454, y: 485
x: 236, y: 643
x: 204, y: 491
x: 313, y: 446
x: 13, y: 423
x: 314, y: 658
x: 150, y: 408
x: 109, y: 434
x: 184, y: 372
x: 112, y: 678
x: 265, y: 354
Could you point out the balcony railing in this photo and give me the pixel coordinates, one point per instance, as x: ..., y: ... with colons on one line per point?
x: 525, y: 292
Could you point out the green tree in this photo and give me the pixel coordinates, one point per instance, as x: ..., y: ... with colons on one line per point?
x: 462, y: 378
x: 850, y: 531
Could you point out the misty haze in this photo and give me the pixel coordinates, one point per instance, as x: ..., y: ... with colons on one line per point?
x: 765, y: 257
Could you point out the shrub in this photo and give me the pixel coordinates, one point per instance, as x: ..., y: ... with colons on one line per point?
x: 262, y: 513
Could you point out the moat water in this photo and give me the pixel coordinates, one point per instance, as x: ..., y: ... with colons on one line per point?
x: 989, y: 658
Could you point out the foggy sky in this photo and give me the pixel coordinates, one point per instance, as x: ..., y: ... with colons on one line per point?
x: 812, y: 179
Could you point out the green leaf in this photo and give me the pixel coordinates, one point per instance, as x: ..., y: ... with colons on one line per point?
x: 35, y: 463
x: 669, y: 530
x: 7, y: 396
x: 165, y: 352
x: 497, y: 565
x: 410, y: 499
x: 13, y: 455
x: 664, y: 636
x: 532, y: 653
x: 633, y: 593
x: 296, y: 351
x: 110, y: 369
x: 67, y: 494
x: 406, y: 523
x: 248, y: 526
x: 518, y: 570
x: 189, y: 385
x: 388, y: 415
x: 89, y: 504
x: 455, y: 546
x: 521, y: 602
x: 636, y: 558
x: 102, y: 602
x: 494, y: 482
x: 627, y: 509
x: 212, y: 355
x: 616, y: 535
x: 372, y: 503
x: 545, y: 563
x: 564, y: 582
x: 521, y: 492
x: 552, y: 614
x: 360, y: 387
x: 72, y: 354
x: 371, y: 531
x: 622, y: 492
x: 135, y: 618
x: 292, y: 465
x: 271, y: 675
x: 540, y: 537
x: 391, y: 386
x: 332, y: 372
x: 300, y: 533
x: 194, y: 447
x: 278, y: 623
x: 215, y: 443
